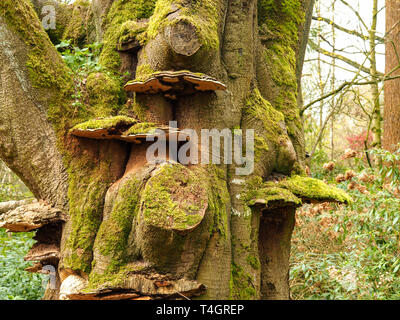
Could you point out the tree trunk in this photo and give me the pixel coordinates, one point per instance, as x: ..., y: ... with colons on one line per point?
x: 391, y: 132
x: 142, y: 229
x: 376, y: 126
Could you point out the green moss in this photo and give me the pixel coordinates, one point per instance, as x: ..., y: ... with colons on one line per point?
x: 273, y: 194
x: 122, y: 14
x: 88, y: 183
x: 63, y: 16
x: 280, y: 20
x: 142, y: 128
x: 202, y: 14
x: 43, y: 73
x: 140, y: 110
x: 257, y: 189
x: 281, y: 17
x: 129, y: 30
x: 310, y: 188
x: 144, y: 72
x: 105, y: 94
x: 298, y: 170
x: 174, y: 197
x: 111, y: 279
x: 241, y: 284
x: 113, y: 234
x: 77, y: 28
x: 291, y: 191
x: 260, y: 146
x: 283, y: 62
x: 258, y: 109
x: 254, y: 262
x: 46, y: 68
x: 218, y: 199
x: 106, y: 123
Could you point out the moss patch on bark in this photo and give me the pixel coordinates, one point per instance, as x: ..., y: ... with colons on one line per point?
x: 105, y: 123
x: 241, y: 285
x: 105, y: 94
x: 204, y: 15
x: 292, y: 191
x: 121, y: 15
x: 80, y: 24
x: 87, y: 188
x: 175, y: 197
x: 112, y: 237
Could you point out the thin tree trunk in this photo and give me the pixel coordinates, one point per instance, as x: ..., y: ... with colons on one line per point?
x: 333, y: 81
x: 391, y: 132
x: 376, y: 113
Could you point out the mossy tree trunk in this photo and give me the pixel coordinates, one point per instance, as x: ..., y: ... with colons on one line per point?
x: 119, y: 233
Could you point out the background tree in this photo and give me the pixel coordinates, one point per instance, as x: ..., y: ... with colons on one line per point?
x: 391, y: 135
x: 108, y: 220
x: 349, y: 65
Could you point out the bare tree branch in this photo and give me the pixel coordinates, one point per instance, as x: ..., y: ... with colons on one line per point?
x: 343, y: 86
x: 348, y: 31
x: 350, y: 62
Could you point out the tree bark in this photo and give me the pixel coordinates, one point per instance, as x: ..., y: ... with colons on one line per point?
x: 391, y: 130
x: 376, y: 125
x: 140, y: 229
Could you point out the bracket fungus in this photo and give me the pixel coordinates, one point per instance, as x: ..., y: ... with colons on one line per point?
x: 44, y: 218
x: 182, y: 82
x: 292, y: 192
x: 142, y: 131
x: 105, y: 128
x: 122, y: 128
x: 44, y: 253
x: 30, y: 217
x: 133, y: 287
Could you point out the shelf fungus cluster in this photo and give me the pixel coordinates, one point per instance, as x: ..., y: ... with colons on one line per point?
x: 47, y: 222
x: 121, y: 128
x: 149, y: 202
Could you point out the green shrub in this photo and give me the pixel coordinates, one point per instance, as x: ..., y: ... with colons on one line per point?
x: 351, y: 252
x: 15, y: 282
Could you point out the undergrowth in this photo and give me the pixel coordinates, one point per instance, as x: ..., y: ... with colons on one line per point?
x: 351, y: 252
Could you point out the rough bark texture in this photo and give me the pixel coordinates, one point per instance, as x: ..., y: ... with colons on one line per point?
x: 27, y: 138
x: 139, y: 229
x: 391, y: 132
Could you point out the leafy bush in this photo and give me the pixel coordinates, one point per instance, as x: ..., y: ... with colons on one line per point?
x: 84, y: 62
x: 15, y: 282
x: 351, y: 252
x: 80, y: 61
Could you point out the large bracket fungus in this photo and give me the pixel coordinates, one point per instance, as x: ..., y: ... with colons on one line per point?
x: 177, y: 82
x: 122, y: 128
x: 47, y: 221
